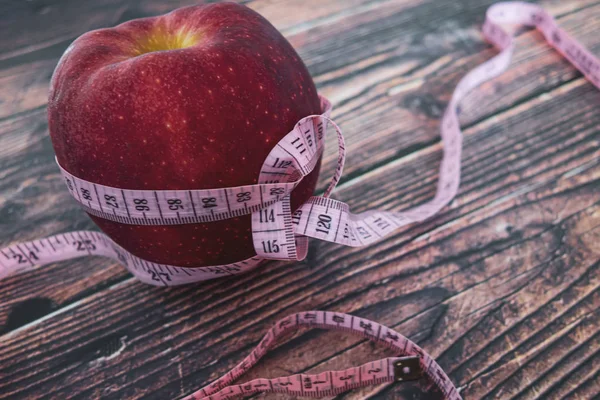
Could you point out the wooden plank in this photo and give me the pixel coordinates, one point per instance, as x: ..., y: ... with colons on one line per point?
x: 311, y: 31
x: 34, y: 26
x: 543, y: 352
x: 29, y: 69
x: 402, y: 119
x: 525, y: 261
x: 403, y: 111
x: 115, y: 341
x: 445, y: 282
x: 34, y: 204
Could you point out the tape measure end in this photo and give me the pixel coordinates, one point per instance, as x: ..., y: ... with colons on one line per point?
x: 408, y: 369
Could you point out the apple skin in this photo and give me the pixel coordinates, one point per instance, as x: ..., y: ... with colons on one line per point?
x: 200, y: 117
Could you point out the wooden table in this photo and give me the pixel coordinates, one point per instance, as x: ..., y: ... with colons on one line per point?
x: 501, y: 287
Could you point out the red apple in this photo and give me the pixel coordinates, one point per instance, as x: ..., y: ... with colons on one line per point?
x: 194, y: 99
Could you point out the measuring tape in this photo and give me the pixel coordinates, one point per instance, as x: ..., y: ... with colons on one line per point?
x: 279, y: 234
x: 413, y: 363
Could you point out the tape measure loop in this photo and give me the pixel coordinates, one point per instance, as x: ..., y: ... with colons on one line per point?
x: 411, y: 363
x: 296, y: 154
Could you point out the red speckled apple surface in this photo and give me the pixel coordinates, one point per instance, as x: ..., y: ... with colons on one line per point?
x: 194, y: 99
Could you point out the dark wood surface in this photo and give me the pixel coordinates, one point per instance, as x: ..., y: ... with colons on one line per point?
x: 502, y: 287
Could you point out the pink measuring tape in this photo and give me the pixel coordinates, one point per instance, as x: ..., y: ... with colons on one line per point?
x: 279, y: 234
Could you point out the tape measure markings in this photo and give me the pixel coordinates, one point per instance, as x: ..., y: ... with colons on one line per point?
x: 173, y: 207
x: 413, y: 362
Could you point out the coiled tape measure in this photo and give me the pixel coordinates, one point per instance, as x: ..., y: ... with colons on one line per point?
x: 279, y: 234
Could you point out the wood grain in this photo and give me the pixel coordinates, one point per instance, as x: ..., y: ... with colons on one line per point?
x: 501, y: 287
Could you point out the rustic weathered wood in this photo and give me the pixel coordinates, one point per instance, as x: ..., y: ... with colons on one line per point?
x: 501, y: 287
x: 361, y: 147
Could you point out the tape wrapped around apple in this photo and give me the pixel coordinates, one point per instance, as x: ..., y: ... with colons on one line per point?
x: 194, y: 99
